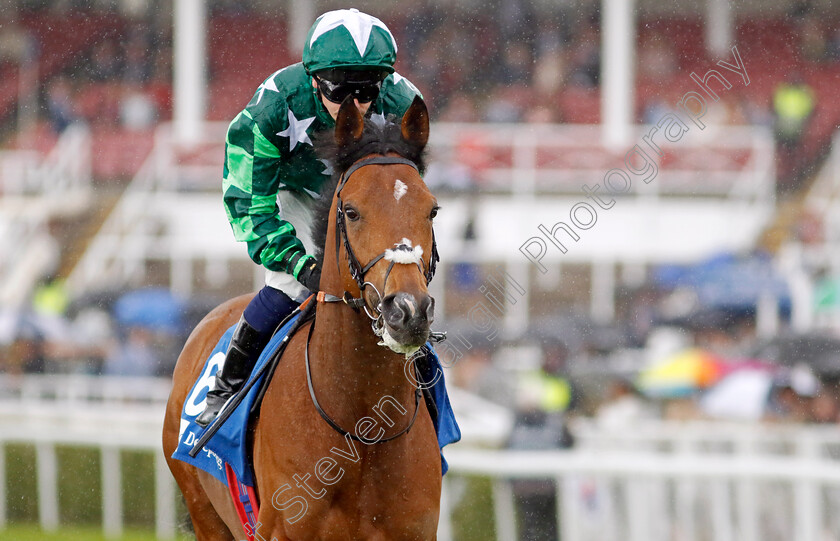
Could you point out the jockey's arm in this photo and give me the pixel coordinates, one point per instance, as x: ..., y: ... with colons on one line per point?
x: 250, y: 184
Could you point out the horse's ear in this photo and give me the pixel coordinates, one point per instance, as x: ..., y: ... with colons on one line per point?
x: 415, y: 123
x: 349, y: 123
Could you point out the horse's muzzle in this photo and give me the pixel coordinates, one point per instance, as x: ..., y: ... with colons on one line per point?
x: 408, y: 319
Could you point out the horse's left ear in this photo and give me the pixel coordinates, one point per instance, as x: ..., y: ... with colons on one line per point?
x: 349, y: 123
x: 415, y: 123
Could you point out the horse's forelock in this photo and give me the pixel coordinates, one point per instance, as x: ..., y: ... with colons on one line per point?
x: 377, y: 138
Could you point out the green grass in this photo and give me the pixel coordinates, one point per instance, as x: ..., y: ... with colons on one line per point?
x: 80, y: 498
x: 472, y: 517
x: 138, y: 483
x: 80, y: 494
x: 21, y: 483
x: 33, y: 533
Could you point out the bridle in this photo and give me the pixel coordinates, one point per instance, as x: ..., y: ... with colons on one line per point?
x: 358, y: 272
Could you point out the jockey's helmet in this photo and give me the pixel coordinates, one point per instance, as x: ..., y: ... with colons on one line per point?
x: 349, y: 40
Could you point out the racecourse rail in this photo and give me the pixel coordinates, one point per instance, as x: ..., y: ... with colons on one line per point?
x: 649, y: 482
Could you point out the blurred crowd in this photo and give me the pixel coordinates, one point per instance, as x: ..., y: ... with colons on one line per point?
x: 514, y: 64
x: 726, y: 374
x: 138, y: 333
x: 517, y: 63
x: 124, y: 82
x: 646, y: 368
x: 121, y: 78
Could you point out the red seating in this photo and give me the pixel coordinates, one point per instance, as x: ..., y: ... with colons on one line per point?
x: 243, y: 50
x: 246, y: 49
x: 60, y: 39
x: 118, y: 154
x: 227, y: 98
x: 580, y: 106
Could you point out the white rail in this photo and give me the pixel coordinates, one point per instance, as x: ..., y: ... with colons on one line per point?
x: 66, y: 169
x: 734, y: 161
x: 110, y: 430
x: 32, y: 191
x: 725, y: 495
x: 654, y: 481
x: 71, y: 390
x: 719, y: 437
x: 172, y: 211
x: 112, y: 414
x: 653, y: 497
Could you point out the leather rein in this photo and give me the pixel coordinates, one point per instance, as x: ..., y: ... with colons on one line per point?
x: 358, y: 272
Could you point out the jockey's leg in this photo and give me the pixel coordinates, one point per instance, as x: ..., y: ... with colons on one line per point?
x: 259, y: 321
x: 431, y: 378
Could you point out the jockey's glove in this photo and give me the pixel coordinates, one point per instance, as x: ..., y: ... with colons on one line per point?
x: 310, y: 276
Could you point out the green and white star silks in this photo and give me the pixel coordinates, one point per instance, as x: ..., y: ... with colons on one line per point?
x: 268, y: 149
x: 347, y: 38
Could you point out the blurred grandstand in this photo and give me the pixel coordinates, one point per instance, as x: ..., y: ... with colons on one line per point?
x: 728, y: 247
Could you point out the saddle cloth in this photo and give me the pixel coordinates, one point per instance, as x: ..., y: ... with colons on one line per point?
x: 229, y: 444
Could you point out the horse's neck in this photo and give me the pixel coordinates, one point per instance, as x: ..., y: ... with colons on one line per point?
x: 350, y: 372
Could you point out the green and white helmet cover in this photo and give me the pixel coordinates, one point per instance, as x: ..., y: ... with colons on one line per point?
x: 349, y: 39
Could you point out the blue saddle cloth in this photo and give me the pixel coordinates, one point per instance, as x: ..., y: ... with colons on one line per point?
x: 229, y: 444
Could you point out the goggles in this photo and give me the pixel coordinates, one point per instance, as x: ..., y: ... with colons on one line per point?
x: 364, y: 86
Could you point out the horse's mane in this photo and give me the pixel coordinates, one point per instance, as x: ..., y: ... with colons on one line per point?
x: 381, y: 135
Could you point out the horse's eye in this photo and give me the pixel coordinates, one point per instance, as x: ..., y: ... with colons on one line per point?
x: 434, y: 213
x: 351, y: 213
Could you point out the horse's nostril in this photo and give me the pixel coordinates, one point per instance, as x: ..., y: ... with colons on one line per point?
x: 398, y: 309
x: 402, y: 311
x: 427, y: 308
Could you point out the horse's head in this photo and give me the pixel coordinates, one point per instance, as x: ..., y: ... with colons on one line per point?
x: 381, y: 231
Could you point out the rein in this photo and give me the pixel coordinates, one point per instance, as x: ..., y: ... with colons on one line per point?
x: 335, y: 426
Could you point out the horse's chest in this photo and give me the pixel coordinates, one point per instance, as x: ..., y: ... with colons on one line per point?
x: 321, y: 485
x: 347, y: 490
x: 386, y: 526
x: 383, y: 507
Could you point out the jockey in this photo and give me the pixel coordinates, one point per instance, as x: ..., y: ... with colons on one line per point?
x: 272, y: 176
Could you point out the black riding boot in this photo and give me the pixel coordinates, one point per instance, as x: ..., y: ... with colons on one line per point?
x: 245, y: 347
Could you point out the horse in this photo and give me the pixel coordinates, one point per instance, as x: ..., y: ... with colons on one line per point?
x: 335, y: 370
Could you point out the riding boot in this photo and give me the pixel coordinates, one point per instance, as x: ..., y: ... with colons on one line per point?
x: 245, y: 347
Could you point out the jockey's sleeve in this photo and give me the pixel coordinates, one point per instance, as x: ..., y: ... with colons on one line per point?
x: 251, y: 180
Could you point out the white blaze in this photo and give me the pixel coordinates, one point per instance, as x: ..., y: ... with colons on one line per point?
x: 399, y: 189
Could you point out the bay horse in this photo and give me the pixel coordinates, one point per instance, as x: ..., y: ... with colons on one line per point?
x: 314, y: 480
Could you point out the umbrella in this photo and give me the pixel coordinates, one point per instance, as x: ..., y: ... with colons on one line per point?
x: 681, y: 374
x: 827, y: 295
x: 152, y: 308
x: 742, y: 395
x: 574, y: 332
x: 819, y: 352
x: 728, y: 282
